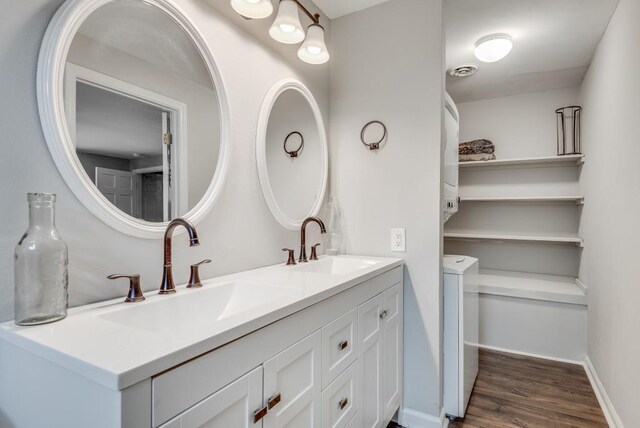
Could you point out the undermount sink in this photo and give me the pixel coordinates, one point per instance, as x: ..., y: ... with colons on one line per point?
x: 200, y: 306
x: 336, y: 265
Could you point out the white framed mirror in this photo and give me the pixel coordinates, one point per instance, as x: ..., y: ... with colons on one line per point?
x: 292, y: 153
x: 134, y: 112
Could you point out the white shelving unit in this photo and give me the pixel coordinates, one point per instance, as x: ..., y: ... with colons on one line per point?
x: 536, y: 286
x: 530, y: 162
x: 579, y: 200
x: 550, y: 288
x: 496, y: 237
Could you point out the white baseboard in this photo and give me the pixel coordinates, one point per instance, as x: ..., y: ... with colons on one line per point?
x: 529, y: 354
x: 605, y: 403
x: 414, y: 419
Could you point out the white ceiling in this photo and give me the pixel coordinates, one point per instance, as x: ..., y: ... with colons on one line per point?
x: 554, y: 41
x: 337, y: 8
x: 147, y: 33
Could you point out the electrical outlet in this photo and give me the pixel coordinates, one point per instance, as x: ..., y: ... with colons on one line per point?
x: 398, y: 240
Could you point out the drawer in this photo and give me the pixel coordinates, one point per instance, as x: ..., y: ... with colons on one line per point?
x: 354, y: 422
x: 339, y: 346
x: 340, y: 400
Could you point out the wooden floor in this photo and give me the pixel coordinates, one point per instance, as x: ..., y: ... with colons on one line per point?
x: 516, y: 391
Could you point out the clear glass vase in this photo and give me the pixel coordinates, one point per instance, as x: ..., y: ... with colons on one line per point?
x: 334, y: 227
x: 40, y: 266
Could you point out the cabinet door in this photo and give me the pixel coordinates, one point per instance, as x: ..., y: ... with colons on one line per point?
x: 370, y: 356
x: 232, y: 406
x: 391, y: 349
x: 295, y: 376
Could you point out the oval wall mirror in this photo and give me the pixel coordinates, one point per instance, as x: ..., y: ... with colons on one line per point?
x: 134, y: 112
x: 292, y: 153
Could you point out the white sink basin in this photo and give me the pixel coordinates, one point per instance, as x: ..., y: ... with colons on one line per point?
x: 197, y: 307
x: 336, y: 265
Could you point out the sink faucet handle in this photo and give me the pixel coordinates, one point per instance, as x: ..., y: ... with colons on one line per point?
x: 135, y: 293
x: 194, y: 279
x: 314, y: 252
x: 292, y: 257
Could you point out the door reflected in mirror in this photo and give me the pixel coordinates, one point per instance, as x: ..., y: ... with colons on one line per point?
x: 142, y: 110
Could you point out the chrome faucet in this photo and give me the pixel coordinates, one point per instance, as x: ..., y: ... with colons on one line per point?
x: 167, y: 286
x: 303, y: 239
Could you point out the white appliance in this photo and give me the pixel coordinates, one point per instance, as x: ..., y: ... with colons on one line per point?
x: 460, y: 332
x: 452, y: 131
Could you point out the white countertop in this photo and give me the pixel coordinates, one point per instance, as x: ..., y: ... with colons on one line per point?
x: 117, y: 355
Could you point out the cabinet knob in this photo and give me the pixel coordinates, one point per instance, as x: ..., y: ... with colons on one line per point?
x: 273, y: 401
x: 259, y: 414
x: 384, y: 314
x: 343, y: 403
x: 342, y: 345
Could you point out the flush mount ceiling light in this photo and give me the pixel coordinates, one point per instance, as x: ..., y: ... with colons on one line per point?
x: 314, y: 50
x: 493, y: 47
x: 287, y: 27
x: 254, y: 9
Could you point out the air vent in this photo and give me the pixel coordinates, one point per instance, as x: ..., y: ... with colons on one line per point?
x: 465, y: 70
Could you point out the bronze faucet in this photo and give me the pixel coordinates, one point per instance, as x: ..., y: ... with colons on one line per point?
x: 167, y: 286
x: 303, y: 239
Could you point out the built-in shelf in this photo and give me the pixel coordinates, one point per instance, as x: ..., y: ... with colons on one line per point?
x: 566, y: 159
x: 579, y: 200
x: 484, y: 236
x: 532, y: 286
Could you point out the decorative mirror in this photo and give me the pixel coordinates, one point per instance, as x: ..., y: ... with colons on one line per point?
x: 134, y: 112
x: 293, y: 186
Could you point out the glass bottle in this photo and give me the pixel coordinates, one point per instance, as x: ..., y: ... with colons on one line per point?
x: 40, y: 266
x: 334, y: 227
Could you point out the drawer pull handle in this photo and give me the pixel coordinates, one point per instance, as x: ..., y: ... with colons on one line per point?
x: 342, y: 345
x: 343, y: 403
x: 384, y: 314
x: 273, y: 401
x: 259, y: 414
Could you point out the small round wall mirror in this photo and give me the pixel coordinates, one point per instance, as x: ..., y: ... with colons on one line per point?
x: 133, y: 111
x: 293, y: 186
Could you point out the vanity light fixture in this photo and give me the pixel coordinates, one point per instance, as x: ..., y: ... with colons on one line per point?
x: 253, y: 9
x: 287, y: 27
x: 494, y: 47
x: 314, y: 50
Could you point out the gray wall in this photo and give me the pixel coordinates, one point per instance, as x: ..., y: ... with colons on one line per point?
x: 238, y: 234
x: 610, y: 181
x: 387, y: 65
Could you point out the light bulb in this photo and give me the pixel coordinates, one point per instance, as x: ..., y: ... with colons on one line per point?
x: 286, y: 28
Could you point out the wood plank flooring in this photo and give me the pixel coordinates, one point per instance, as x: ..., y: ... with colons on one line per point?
x: 516, y: 391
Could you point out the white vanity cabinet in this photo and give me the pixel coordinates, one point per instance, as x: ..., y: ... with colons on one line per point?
x: 380, y: 342
x: 347, y: 373
x: 335, y: 363
x: 229, y: 407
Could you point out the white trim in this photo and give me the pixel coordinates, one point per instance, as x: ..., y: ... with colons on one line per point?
x: 148, y: 170
x: 410, y: 418
x: 582, y: 286
x: 529, y: 354
x: 261, y: 153
x: 50, y: 90
x: 609, y: 411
